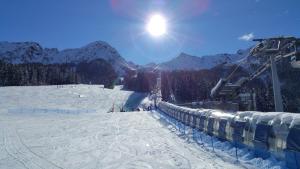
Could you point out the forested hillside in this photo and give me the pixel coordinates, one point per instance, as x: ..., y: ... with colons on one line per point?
x: 190, y: 86
x: 141, y: 81
x: 95, y: 72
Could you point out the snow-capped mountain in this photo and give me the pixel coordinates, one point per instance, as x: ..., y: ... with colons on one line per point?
x: 22, y: 52
x: 189, y: 62
x: 32, y: 52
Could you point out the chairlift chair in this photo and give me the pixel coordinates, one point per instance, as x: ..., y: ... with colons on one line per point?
x: 295, y: 60
x: 224, y: 88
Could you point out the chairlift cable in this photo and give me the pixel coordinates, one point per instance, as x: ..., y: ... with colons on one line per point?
x: 242, y: 61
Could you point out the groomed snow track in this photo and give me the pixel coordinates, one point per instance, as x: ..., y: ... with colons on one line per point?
x: 132, y: 140
x: 50, y: 127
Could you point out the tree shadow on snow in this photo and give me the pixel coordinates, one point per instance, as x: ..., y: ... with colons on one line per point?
x: 134, y: 100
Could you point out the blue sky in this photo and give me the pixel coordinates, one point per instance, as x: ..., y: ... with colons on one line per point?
x: 196, y: 27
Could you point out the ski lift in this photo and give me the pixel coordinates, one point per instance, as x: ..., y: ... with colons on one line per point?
x: 223, y: 88
x: 295, y: 60
x: 219, y: 86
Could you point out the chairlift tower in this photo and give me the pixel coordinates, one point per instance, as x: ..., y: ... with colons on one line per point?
x: 276, y: 49
x: 276, y: 86
x: 157, y: 91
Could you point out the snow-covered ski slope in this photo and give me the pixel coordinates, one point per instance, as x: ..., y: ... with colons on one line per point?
x: 69, y: 128
x: 64, y: 99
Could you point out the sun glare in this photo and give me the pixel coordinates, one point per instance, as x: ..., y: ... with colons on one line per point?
x: 157, y: 25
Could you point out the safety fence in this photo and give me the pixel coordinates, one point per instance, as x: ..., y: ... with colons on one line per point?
x: 275, y: 133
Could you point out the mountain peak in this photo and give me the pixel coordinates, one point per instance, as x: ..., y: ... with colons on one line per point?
x: 97, y: 44
x: 185, y: 61
x: 184, y: 55
x: 28, y: 52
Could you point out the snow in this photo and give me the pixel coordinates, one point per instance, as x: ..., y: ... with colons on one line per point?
x: 92, y: 51
x: 188, y: 62
x: 53, y: 127
x: 18, y: 52
x: 223, y: 149
x: 32, y: 52
x: 61, y: 98
x: 279, y: 143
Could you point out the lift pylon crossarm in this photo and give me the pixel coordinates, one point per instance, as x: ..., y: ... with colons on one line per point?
x: 260, y: 70
x: 275, y: 46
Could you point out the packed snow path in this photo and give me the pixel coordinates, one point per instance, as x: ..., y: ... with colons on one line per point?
x: 115, y: 140
x: 93, y: 140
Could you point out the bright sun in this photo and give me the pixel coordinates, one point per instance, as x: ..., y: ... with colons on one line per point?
x: 157, y: 25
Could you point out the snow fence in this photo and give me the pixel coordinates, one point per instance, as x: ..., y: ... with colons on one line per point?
x: 268, y: 133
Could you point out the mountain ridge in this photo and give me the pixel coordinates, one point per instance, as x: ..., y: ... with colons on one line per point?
x: 33, y: 52
x: 185, y: 61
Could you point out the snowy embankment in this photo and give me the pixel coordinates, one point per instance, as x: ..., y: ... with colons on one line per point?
x: 66, y: 99
x: 46, y: 127
x: 264, y: 140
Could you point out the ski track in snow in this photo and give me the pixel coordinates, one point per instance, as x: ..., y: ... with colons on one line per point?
x: 124, y: 140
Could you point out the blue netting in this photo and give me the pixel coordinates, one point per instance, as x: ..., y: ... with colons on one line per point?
x: 210, y: 126
x: 238, y: 130
x: 222, y: 129
x: 293, y: 139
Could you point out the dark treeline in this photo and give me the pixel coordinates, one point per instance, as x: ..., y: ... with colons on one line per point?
x: 94, y: 72
x: 187, y: 86
x: 191, y: 86
x: 141, y: 81
x: 290, y: 85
